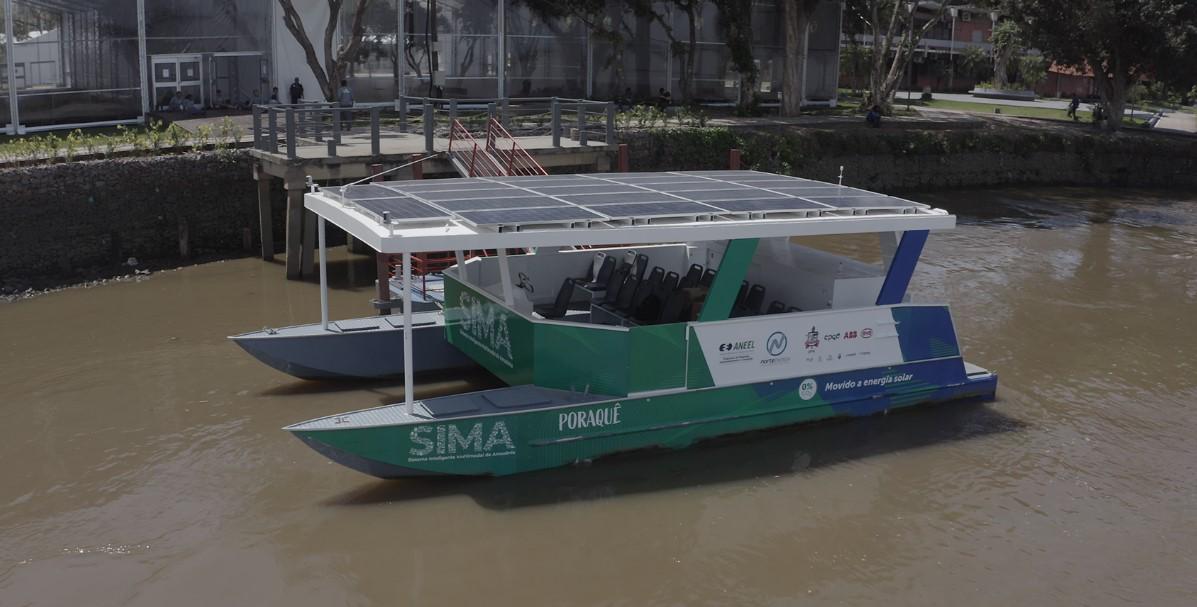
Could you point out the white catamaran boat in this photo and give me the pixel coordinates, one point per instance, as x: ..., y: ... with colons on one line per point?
x: 718, y: 321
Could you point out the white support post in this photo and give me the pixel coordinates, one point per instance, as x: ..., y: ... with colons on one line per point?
x: 505, y: 276
x: 14, y: 114
x: 461, y: 269
x: 142, y: 59
x: 501, y: 72
x: 408, y: 381
x: 889, y: 246
x: 323, y: 273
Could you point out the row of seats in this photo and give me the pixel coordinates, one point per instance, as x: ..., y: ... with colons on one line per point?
x: 660, y: 297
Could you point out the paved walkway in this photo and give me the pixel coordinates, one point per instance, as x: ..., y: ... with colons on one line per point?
x: 1056, y: 104
x: 1178, y: 122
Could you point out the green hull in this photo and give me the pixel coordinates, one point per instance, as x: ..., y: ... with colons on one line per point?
x: 513, y: 442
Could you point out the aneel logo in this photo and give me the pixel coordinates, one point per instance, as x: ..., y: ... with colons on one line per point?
x: 866, y: 333
x: 737, y: 346
x: 777, y: 343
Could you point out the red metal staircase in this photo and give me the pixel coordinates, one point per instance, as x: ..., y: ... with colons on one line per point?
x: 499, y: 155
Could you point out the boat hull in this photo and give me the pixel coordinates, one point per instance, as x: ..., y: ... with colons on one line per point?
x: 501, y: 443
x: 360, y: 348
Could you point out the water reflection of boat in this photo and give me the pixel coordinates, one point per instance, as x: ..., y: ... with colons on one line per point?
x: 717, y: 323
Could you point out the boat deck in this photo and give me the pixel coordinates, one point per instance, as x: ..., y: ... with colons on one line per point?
x: 471, y: 404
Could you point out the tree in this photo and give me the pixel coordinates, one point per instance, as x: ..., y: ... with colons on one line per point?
x: 1121, y: 41
x: 895, y: 34
x: 735, y: 23
x: 1032, y: 70
x: 975, y: 64
x: 336, y: 61
x: 1007, y: 42
x: 795, y: 16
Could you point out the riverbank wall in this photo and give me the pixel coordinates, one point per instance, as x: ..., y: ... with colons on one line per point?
x: 73, y: 222
x: 897, y: 161
x: 78, y: 221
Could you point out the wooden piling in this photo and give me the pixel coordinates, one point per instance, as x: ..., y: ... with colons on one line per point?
x: 307, y: 256
x: 733, y: 160
x: 265, y: 214
x: 295, y: 211
x: 624, y: 162
x: 184, y: 238
x: 383, y: 270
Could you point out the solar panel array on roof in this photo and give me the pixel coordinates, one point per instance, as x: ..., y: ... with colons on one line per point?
x: 622, y: 197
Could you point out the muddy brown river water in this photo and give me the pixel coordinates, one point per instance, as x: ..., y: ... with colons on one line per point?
x: 141, y: 461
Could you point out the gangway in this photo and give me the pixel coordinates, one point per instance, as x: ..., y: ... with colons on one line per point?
x: 499, y: 155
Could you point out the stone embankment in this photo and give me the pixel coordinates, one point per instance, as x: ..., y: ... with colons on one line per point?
x: 74, y: 222
x: 80, y: 221
x: 895, y: 161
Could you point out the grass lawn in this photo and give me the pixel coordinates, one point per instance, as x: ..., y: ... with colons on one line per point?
x: 1006, y: 110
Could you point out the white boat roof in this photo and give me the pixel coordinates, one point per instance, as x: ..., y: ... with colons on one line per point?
x: 609, y: 209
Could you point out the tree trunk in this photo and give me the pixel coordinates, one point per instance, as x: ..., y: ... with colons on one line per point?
x: 336, y: 61
x: 796, y: 24
x: 1001, y: 61
x: 691, y: 50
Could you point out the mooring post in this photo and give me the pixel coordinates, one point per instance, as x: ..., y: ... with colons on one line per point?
x: 290, y: 133
x: 624, y: 163
x: 382, y: 267
x: 610, y: 123
x: 272, y: 145
x: 452, y: 110
x: 294, y: 185
x: 581, y: 123
x: 336, y: 125
x: 492, y: 111
x: 265, y: 215
x: 417, y: 170
x: 257, y: 127
x: 503, y: 112
x: 375, y: 136
x: 556, y: 122
x: 429, y: 125
x: 307, y: 257
x: 184, y: 238
x: 402, y: 115
x: 733, y: 159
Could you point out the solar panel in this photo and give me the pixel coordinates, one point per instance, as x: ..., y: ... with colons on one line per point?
x: 724, y: 194
x: 496, y: 191
x: 437, y: 185
x: 598, y: 188
x: 875, y: 201
x: 767, y: 204
x: 598, y: 199
x: 647, y: 210
x: 564, y: 199
x: 774, y: 184
x: 529, y: 216
x: 365, y: 191
x: 548, y: 180
x: 402, y: 208
x: 658, y: 178
x: 516, y: 202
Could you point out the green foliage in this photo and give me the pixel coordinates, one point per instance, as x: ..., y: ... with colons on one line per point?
x: 1032, y: 70
x: 156, y: 138
x: 974, y: 64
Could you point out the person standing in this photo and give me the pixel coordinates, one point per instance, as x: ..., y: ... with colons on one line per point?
x: 345, y: 100
x: 296, y: 92
x: 1073, y: 106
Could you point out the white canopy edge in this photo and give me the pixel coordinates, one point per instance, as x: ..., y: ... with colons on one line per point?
x: 454, y: 235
